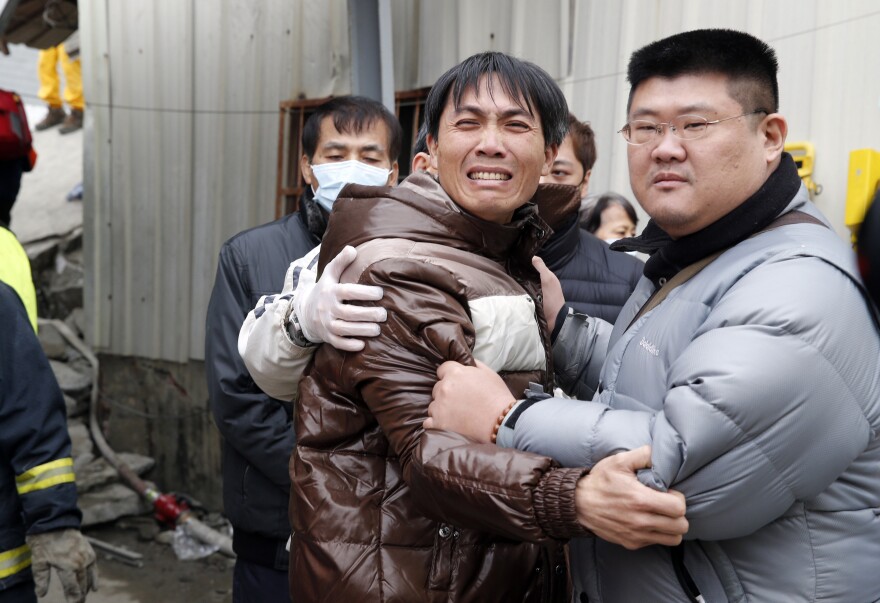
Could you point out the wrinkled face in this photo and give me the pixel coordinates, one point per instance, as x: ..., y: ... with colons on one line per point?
x: 489, y: 153
x: 615, y: 224
x: 566, y: 168
x: 685, y: 185
x: 369, y: 146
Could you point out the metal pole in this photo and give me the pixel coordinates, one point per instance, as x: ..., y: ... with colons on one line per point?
x: 372, y: 61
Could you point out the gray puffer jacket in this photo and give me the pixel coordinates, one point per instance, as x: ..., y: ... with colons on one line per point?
x: 757, y: 384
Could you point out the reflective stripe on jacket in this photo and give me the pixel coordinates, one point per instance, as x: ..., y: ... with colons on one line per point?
x: 37, y: 489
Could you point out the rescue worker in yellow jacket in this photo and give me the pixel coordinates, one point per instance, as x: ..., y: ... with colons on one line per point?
x: 15, y: 271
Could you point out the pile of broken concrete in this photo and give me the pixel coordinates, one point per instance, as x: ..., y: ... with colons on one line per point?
x: 58, y: 276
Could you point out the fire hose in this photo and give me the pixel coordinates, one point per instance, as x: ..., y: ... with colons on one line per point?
x: 166, y: 506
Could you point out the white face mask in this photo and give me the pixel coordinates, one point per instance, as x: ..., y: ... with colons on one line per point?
x: 609, y: 241
x: 332, y: 177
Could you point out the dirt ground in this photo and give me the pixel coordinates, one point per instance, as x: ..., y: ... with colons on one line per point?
x: 161, y: 578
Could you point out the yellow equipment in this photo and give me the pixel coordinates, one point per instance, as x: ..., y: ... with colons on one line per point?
x: 804, y: 157
x: 862, y: 182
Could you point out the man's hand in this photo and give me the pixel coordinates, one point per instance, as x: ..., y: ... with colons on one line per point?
x: 324, y: 314
x: 73, y: 559
x: 551, y: 290
x: 467, y: 400
x: 614, y: 505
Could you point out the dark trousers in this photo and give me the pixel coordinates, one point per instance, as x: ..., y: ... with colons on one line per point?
x: 254, y: 583
x: 23, y: 592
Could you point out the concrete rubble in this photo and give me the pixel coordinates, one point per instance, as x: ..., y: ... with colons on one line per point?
x: 56, y: 262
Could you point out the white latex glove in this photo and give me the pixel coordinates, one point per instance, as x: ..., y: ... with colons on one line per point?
x: 324, y: 314
x: 73, y: 559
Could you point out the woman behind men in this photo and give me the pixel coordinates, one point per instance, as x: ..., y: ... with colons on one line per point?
x: 610, y: 218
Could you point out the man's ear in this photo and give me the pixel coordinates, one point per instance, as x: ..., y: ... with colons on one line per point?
x: 585, y: 184
x: 305, y: 168
x: 392, y: 177
x: 549, y: 157
x: 774, y: 129
x: 432, y: 152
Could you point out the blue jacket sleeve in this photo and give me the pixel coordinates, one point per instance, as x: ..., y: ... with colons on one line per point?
x: 33, y: 436
x: 767, y: 405
x: 257, y: 426
x: 579, y: 351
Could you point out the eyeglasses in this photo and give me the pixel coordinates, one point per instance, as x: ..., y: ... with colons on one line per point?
x: 686, y: 127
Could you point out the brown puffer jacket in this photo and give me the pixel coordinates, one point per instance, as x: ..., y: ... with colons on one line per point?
x: 381, y: 509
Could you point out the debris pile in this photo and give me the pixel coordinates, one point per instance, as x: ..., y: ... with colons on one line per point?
x: 109, y: 484
x: 58, y: 276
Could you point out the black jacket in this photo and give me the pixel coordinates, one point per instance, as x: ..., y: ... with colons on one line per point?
x: 595, y: 280
x: 256, y: 429
x: 37, y: 489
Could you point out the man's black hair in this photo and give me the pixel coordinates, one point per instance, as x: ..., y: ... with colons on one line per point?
x: 351, y: 115
x: 421, y: 143
x: 750, y: 64
x: 522, y: 81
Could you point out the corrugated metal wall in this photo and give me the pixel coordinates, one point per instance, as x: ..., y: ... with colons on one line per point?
x: 181, y: 148
x: 183, y: 123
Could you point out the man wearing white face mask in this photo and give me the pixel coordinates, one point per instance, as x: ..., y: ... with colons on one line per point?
x: 331, y: 177
x: 347, y: 139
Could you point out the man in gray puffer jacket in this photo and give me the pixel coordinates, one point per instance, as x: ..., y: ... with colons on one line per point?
x: 753, y: 373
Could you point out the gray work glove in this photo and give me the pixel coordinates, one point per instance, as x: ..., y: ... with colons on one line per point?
x: 73, y: 559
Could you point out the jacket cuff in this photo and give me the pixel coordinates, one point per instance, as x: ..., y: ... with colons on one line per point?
x: 554, y: 504
x: 293, y: 330
x: 564, y: 312
x: 534, y: 393
x: 504, y: 439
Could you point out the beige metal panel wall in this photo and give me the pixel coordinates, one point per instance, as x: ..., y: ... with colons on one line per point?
x: 450, y: 31
x: 139, y: 105
x: 181, y: 149
x: 249, y: 57
x: 405, y: 43
x: 845, y: 92
x: 96, y: 172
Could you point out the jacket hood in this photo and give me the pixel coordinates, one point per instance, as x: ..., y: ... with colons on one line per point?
x: 419, y: 209
x: 313, y: 215
x: 558, y: 203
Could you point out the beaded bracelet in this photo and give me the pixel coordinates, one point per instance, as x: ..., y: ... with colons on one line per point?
x: 501, y: 420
